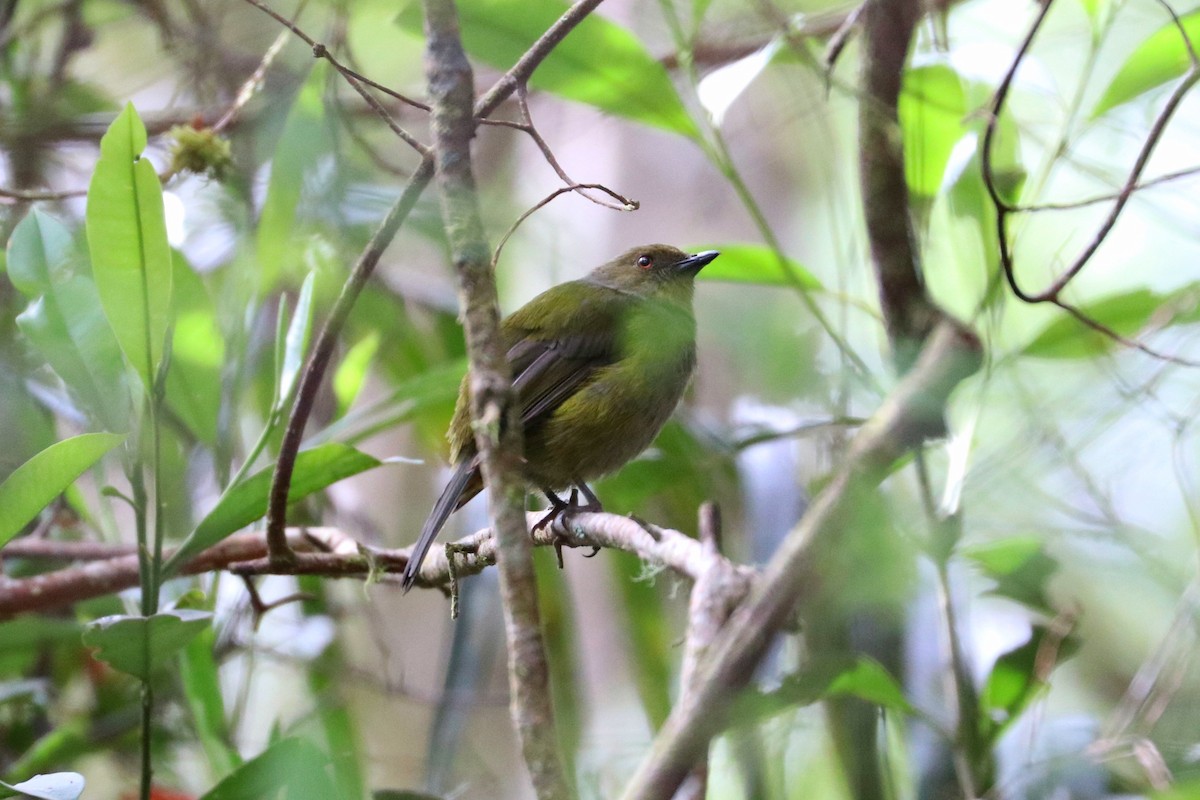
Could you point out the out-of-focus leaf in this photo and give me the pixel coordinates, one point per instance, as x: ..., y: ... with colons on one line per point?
x: 868, y: 680
x: 1020, y: 567
x: 197, y: 355
x: 39, y: 480
x: 295, y: 343
x: 65, y: 321
x: 1067, y: 337
x: 314, y: 470
x: 822, y: 677
x: 202, y: 690
x: 437, y: 388
x: 127, y: 237
x: 1018, y: 675
x: 753, y: 263
x: 933, y: 110
x: 645, y: 621
x: 294, y: 765
x: 304, y: 139
x: 56, y: 786
x: 599, y: 62
x: 352, y: 372
x: 141, y: 645
x: 1162, y: 56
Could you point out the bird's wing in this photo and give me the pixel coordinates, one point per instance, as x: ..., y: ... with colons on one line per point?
x: 553, y: 351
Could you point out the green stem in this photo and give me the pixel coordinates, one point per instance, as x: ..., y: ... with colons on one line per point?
x: 147, y: 715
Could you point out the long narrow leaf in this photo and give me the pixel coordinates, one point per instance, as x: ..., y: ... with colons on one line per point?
x: 39, y: 480
x: 127, y: 237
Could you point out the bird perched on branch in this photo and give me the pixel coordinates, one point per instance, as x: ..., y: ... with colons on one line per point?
x: 598, y: 366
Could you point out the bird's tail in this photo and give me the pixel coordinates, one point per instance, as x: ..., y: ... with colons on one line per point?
x: 463, y: 485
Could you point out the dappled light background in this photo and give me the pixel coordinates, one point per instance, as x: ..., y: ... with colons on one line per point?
x: 1066, y: 444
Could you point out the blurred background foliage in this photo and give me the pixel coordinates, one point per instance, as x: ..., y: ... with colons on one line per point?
x: 1071, y: 471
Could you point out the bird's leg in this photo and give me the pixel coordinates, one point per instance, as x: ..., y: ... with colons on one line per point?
x: 591, y: 503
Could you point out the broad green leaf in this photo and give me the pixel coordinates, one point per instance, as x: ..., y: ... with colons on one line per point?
x: 293, y: 764
x: 64, y: 320
x: 352, y: 372
x: 304, y: 139
x: 599, y: 63
x: 933, y: 111
x: 1017, y: 677
x: 139, y: 646
x: 1067, y: 337
x: 55, y: 786
x: 1020, y: 567
x: 32, y: 486
x: 753, y: 263
x: 127, y: 237
x: 314, y: 470
x: 295, y: 343
x: 1163, y: 56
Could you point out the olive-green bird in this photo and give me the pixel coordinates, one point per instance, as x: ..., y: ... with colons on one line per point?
x: 598, y: 366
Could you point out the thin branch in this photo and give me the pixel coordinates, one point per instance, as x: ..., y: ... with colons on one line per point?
x: 314, y: 369
x: 911, y: 413
x: 573, y: 188
x: 356, y: 81
x: 1004, y: 208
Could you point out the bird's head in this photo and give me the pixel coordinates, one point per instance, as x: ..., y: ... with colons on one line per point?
x: 657, y: 270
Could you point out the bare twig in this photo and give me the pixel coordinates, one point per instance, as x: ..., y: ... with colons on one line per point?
x: 1004, y: 209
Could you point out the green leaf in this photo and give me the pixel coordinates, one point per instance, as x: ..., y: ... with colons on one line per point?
x: 754, y: 263
x: 314, y: 470
x: 202, y: 691
x: 1018, y: 675
x: 932, y: 109
x: 1067, y: 337
x: 295, y: 343
x: 352, y: 372
x: 141, y: 645
x: 294, y: 764
x: 32, y: 486
x: 821, y: 677
x: 599, y: 63
x: 868, y: 680
x: 127, y: 237
x: 65, y: 322
x: 1020, y: 567
x: 197, y: 355
x: 304, y: 139
x: 1161, y: 57
x: 39, y: 253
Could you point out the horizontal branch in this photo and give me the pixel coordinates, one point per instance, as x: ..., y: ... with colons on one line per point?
x: 329, y: 552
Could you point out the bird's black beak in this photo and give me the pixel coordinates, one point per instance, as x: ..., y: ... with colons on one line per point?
x: 694, y: 264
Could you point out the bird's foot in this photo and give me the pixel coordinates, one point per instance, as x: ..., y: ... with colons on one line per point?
x: 559, y: 515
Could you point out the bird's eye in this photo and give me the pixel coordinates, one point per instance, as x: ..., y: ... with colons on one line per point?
x: 645, y: 262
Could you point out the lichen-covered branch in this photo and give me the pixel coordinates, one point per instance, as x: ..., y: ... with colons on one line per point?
x: 498, y: 435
